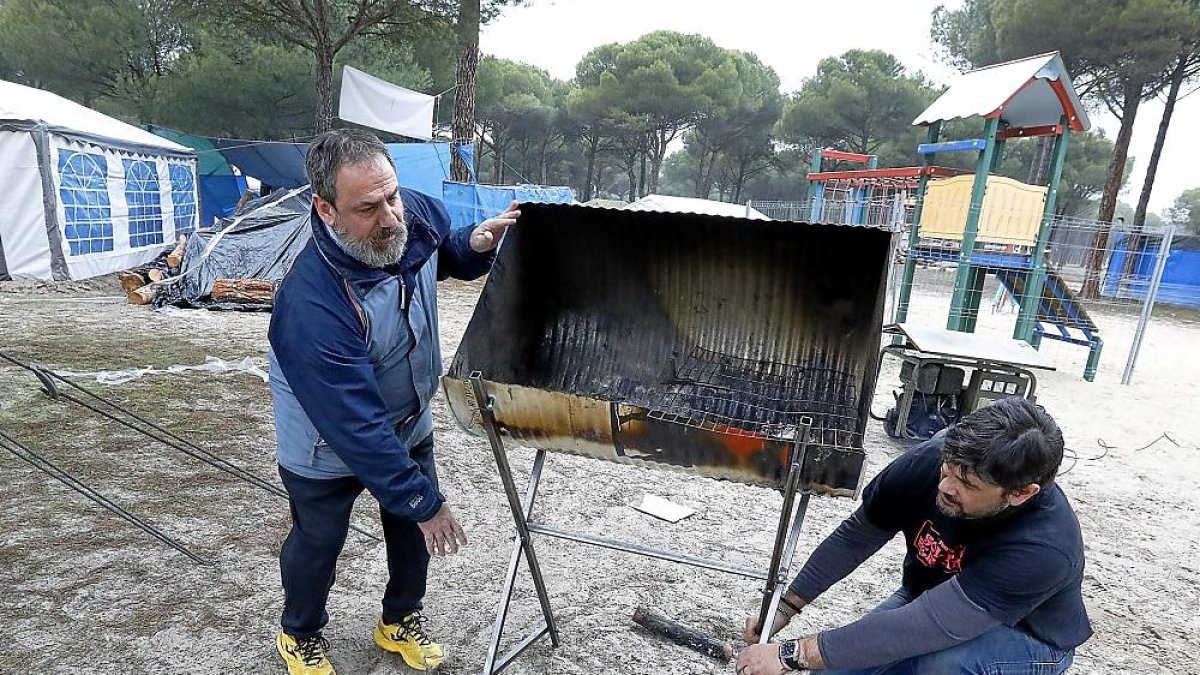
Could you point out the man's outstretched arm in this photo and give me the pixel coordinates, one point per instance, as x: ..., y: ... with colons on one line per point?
x: 855, y: 540
x: 940, y: 618
x: 847, y: 547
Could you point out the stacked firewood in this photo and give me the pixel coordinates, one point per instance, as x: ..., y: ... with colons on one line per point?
x: 142, y: 284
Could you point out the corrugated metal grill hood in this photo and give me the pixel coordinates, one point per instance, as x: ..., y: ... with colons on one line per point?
x: 682, y: 341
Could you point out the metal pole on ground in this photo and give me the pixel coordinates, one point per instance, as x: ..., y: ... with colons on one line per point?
x: 1160, y: 264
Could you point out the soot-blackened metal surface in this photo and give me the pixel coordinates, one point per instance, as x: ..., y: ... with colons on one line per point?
x: 686, y: 341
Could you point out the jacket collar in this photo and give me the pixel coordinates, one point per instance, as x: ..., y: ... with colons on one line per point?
x: 423, y: 240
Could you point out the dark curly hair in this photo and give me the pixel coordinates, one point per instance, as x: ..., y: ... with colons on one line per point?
x: 1010, y: 443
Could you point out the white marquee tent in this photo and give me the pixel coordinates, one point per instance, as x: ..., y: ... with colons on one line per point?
x: 83, y: 194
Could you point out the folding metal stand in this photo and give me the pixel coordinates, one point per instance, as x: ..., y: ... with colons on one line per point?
x: 786, y: 537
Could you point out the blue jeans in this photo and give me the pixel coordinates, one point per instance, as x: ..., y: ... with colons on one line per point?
x: 320, y: 521
x: 1000, y: 651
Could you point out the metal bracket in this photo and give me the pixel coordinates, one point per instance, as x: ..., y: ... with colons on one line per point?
x: 49, y: 387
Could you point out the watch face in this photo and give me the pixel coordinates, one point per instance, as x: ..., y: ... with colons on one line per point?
x: 788, y: 649
x: 787, y: 653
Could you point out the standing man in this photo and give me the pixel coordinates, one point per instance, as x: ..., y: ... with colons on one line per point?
x: 992, y: 577
x: 355, y: 362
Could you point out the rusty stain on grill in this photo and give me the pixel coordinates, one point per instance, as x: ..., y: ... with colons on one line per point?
x: 681, y: 341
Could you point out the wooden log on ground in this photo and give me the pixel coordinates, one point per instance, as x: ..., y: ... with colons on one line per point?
x: 131, y: 281
x: 175, y: 257
x: 143, y: 295
x: 682, y: 635
x: 256, y: 291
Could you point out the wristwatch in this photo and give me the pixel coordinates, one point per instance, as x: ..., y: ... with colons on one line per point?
x: 789, y: 655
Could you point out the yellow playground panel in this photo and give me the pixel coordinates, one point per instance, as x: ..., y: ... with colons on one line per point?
x: 1011, y: 214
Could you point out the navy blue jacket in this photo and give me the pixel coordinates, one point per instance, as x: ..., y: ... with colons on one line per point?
x: 355, y: 358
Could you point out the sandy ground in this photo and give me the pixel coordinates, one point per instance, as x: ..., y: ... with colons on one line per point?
x: 82, y: 592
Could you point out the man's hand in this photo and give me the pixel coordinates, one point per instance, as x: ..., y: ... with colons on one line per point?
x: 443, y: 536
x: 487, y: 235
x: 766, y: 659
x: 760, y: 660
x: 751, y: 631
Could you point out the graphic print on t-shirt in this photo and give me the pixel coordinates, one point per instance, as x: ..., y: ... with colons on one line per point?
x: 934, y: 552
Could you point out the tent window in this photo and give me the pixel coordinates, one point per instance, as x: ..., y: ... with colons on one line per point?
x: 183, y: 196
x: 83, y: 191
x: 145, y: 206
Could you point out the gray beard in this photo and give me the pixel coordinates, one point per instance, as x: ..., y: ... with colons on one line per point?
x: 366, y: 252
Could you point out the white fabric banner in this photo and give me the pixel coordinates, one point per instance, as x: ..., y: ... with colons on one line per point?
x: 376, y: 103
x: 22, y: 211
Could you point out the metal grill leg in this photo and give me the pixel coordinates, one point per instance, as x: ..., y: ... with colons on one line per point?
x: 785, y: 536
x: 523, y: 543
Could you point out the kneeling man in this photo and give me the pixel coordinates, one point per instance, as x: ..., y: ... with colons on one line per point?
x: 992, y: 575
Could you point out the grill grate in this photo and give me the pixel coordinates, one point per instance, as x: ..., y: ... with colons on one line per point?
x: 733, y: 395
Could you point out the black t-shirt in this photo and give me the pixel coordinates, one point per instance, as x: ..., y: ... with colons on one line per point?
x: 1024, y: 566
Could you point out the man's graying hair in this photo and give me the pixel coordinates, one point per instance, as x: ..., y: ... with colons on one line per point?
x: 1010, y: 443
x: 334, y: 149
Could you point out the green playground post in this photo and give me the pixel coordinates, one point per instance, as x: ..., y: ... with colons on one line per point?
x: 1032, y: 297
x: 963, y: 280
x: 997, y: 157
x: 910, y: 260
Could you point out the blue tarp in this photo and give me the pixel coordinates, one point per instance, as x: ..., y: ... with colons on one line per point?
x: 420, y: 166
x: 423, y: 166
x: 1181, y: 276
x: 275, y: 163
x: 470, y: 204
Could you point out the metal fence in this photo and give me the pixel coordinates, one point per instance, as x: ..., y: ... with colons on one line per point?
x: 1101, y: 285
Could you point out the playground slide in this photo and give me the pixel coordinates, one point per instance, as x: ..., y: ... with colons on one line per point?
x: 1059, y: 307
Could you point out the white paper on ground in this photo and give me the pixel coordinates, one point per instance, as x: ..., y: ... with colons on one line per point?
x: 662, y: 508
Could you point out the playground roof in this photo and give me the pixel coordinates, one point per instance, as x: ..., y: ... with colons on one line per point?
x: 1029, y: 92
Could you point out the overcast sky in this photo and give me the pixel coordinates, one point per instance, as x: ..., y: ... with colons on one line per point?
x: 791, y: 36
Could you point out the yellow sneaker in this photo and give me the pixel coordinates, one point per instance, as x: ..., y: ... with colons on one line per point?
x: 409, y: 640
x: 304, y: 657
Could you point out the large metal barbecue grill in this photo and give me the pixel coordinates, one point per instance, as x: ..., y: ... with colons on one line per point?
x: 743, y: 350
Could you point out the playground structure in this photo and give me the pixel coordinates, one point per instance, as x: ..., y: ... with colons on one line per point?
x: 980, y: 222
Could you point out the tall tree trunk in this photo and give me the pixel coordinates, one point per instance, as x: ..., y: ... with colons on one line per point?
x: 698, y: 177
x: 712, y: 167
x: 642, y: 178
x: 593, y: 145
x: 324, y: 118
x: 1132, y: 96
x: 463, y: 124
x: 1041, y: 160
x: 631, y: 173
x: 739, y: 181
x: 1139, y: 216
x: 323, y: 51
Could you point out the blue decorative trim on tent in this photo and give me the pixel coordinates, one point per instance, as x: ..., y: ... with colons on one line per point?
x: 183, y: 197
x: 83, y: 191
x: 145, y: 203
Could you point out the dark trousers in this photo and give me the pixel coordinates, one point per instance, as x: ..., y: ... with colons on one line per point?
x: 320, y: 520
